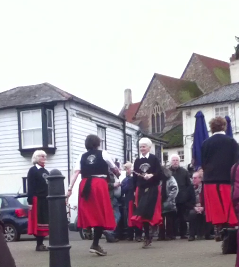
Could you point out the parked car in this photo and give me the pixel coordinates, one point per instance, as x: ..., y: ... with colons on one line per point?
x: 14, y: 214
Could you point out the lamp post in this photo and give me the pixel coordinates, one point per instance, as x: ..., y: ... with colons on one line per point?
x: 59, y: 246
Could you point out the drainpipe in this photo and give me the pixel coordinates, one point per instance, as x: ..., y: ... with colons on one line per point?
x: 68, y: 141
x: 125, y: 142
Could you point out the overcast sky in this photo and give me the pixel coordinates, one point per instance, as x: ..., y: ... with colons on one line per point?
x: 95, y: 49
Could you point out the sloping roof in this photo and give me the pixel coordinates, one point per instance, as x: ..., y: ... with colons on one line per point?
x: 220, y: 69
x: 174, y: 137
x: 225, y: 93
x: 180, y: 90
x: 130, y: 112
x: 39, y: 94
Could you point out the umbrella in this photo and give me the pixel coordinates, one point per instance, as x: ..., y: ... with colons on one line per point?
x: 229, y: 127
x: 200, y: 134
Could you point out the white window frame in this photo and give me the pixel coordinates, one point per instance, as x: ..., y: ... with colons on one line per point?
x: 52, y: 128
x: 181, y: 155
x: 22, y: 130
x: 221, y: 113
x: 102, y: 138
x: 129, y: 147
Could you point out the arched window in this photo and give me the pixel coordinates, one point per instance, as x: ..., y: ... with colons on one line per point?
x: 157, y: 119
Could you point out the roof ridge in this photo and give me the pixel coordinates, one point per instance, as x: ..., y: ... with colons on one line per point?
x: 60, y: 91
x: 211, y: 58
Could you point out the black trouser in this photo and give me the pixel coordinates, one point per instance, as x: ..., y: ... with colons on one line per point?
x: 168, y: 225
x: 198, y: 225
x: 134, y: 232
x: 180, y: 222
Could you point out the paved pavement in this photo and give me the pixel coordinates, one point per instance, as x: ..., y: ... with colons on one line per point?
x: 178, y: 253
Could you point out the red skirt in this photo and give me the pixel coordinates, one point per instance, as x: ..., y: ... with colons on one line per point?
x: 218, y: 204
x: 97, y: 210
x: 157, y: 217
x: 130, y: 213
x: 34, y: 227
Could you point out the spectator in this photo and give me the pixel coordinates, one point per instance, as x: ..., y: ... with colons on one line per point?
x: 182, y: 177
x: 127, y: 190
x: 169, y: 192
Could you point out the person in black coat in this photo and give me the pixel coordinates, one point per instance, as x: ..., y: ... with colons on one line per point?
x: 219, y: 153
x: 182, y: 177
x: 38, y: 218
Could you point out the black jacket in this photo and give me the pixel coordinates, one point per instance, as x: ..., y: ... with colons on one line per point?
x: 219, y: 153
x: 182, y: 177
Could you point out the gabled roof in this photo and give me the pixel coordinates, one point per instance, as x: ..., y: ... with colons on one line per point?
x: 220, y: 69
x: 39, y: 94
x: 129, y: 113
x: 180, y: 90
x: 227, y: 93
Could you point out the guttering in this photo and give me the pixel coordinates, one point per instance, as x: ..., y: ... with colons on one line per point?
x: 68, y: 141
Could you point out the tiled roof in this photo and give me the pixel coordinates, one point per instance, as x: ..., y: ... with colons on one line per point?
x: 174, y: 137
x: 130, y: 112
x: 212, y: 63
x: 225, y: 93
x: 39, y: 94
x: 180, y: 90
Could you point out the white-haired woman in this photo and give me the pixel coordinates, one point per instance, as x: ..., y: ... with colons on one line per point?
x: 147, y: 176
x: 37, y: 199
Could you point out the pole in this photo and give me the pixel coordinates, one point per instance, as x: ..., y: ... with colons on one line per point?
x: 59, y: 247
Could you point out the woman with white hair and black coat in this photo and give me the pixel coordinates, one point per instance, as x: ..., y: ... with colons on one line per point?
x: 38, y: 220
x: 147, y: 175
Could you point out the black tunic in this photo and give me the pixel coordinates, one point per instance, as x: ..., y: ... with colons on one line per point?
x: 148, y: 189
x: 92, y: 164
x: 219, y: 153
x: 37, y: 187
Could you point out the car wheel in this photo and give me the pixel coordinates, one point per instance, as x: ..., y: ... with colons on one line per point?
x: 10, y: 233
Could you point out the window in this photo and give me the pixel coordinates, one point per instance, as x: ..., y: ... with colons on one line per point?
x: 101, y: 132
x: 128, y: 148
x: 36, y: 129
x: 157, y: 119
x: 50, y: 129
x: 165, y: 157
x: 181, y: 155
x: 221, y: 112
x: 158, y: 152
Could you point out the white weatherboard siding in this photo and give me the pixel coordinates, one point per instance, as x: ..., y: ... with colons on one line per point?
x: 13, y: 166
x: 132, y: 129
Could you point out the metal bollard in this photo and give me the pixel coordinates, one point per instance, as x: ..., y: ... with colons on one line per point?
x: 59, y: 247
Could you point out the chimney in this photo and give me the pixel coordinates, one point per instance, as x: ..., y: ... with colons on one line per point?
x: 127, y: 98
x: 234, y: 69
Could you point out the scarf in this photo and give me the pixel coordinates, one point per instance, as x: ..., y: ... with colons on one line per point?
x: 198, y: 191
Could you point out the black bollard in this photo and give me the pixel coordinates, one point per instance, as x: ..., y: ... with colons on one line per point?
x: 58, y: 225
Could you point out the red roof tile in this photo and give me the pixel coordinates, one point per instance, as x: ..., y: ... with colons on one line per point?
x: 212, y: 63
x: 131, y: 111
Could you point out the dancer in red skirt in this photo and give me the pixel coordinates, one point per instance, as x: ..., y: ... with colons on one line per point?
x: 38, y: 220
x: 147, y: 174
x: 219, y: 153
x: 94, y: 208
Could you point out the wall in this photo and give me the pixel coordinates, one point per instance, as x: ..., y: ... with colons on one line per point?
x: 13, y: 166
x: 209, y: 113
x: 156, y: 94
x: 198, y: 73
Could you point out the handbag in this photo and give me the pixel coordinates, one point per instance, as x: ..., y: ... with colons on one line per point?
x: 229, y: 235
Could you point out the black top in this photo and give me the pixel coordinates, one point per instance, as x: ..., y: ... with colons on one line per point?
x: 92, y: 163
x: 219, y: 153
x: 36, y: 183
x: 182, y: 178
x: 147, y: 165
